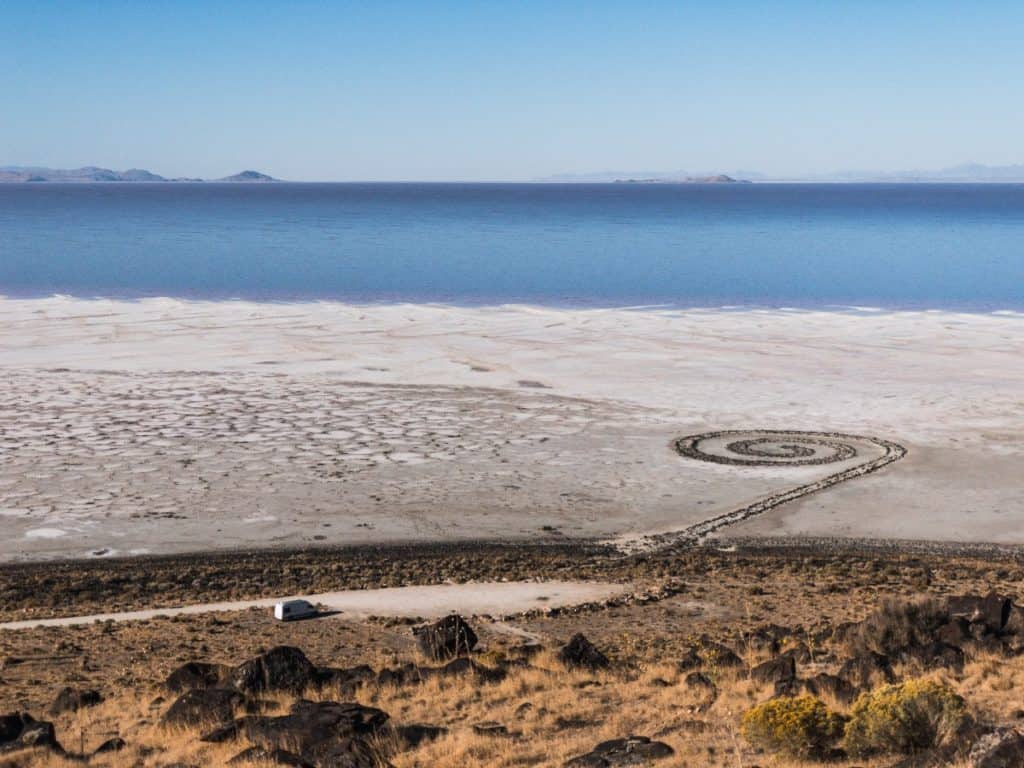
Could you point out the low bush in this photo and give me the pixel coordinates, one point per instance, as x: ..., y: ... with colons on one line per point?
x: 904, y: 718
x: 801, y: 727
x: 899, y: 624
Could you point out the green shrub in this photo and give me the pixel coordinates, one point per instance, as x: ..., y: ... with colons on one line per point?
x: 904, y: 718
x: 899, y: 624
x: 800, y: 727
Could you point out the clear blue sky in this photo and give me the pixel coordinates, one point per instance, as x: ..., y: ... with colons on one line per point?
x: 509, y: 90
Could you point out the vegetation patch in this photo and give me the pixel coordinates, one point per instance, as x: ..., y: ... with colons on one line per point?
x: 800, y: 727
x: 904, y: 718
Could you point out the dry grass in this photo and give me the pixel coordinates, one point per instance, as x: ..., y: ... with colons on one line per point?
x: 569, y: 712
x: 551, y: 714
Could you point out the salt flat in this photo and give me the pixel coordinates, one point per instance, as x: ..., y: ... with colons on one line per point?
x: 167, y: 426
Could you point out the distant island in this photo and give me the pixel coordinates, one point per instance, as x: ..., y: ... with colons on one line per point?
x: 966, y: 173
x: 92, y: 174
x: 249, y: 177
x: 718, y: 178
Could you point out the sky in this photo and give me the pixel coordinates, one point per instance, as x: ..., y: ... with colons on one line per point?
x: 511, y: 90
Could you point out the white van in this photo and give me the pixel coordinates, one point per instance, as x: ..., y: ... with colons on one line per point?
x: 289, y: 610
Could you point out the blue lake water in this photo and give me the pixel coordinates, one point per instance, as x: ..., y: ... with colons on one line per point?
x: 898, y: 246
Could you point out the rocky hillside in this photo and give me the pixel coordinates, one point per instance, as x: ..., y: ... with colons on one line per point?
x: 738, y: 660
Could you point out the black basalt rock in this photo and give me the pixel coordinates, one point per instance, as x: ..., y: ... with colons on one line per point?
x: 195, y: 674
x: 204, y: 705
x: 72, y: 700
x: 580, y: 653
x: 632, y: 750
x: 446, y: 639
x: 781, y: 669
x: 280, y: 669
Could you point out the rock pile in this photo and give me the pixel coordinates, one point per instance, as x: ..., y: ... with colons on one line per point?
x: 314, y: 733
x: 917, y: 636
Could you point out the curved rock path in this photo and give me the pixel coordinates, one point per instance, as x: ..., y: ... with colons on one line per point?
x: 777, y: 448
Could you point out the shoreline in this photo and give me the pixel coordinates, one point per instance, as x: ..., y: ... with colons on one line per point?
x: 576, y: 549
x: 639, y: 305
x: 92, y: 587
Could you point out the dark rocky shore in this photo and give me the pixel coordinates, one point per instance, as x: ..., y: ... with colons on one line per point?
x: 53, y: 589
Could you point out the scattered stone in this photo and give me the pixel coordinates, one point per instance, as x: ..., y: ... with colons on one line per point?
x: 71, y: 700
x: 312, y: 726
x: 956, y: 632
x: 935, y: 655
x: 446, y: 639
x: 830, y: 686
x: 781, y: 669
x: 115, y: 744
x: 228, y: 732
x: 800, y: 653
x: 1003, y: 748
x: 701, y: 681
x: 1015, y: 621
x: 690, y: 660
x: 406, y: 674
x: 204, y: 705
x: 490, y: 728
x: 632, y: 750
x: 411, y: 736
x: 867, y: 670
x: 460, y: 667
x: 348, y: 681
x: 524, y: 653
x: 718, y: 655
x: 580, y: 653
x: 992, y: 610
x: 345, y: 753
x: 693, y: 726
x: 280, y: 669
x: 271, y: 756
x: 196, y: 674
x: 20, y: 731
x: 937, y: 757
x: 986, y: 644
x: 765, y: 639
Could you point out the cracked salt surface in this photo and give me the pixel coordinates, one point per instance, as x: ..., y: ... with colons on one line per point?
x: 387, y: 461
x: 45, y: 533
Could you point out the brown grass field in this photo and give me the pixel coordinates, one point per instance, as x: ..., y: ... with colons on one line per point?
x: 550, y: 714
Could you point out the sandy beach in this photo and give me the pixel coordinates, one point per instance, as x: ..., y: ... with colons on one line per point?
x: 170, y: 426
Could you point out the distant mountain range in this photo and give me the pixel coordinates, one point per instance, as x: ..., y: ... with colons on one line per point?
x: 968, y: 173
x: 90, y: 174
